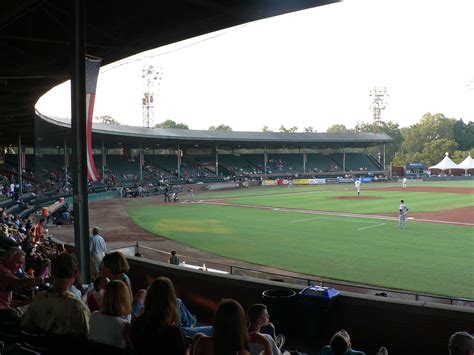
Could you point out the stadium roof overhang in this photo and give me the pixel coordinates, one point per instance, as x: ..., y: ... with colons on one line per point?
x: 54, y: 131
x: 36, y: 39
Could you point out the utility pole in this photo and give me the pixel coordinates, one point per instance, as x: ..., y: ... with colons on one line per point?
x: 150, y: 76
x: 378, y: 98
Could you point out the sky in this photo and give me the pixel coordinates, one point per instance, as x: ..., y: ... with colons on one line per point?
x: 312, y: 68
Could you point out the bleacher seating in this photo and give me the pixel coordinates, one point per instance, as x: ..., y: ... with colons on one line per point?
x: 356, y: 162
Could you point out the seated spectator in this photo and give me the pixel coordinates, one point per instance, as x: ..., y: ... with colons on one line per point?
x: 230, y: 334
x: 12, y: 260
x: 258, y: 318
x: 57, y: 310
x: 138, y: 303
x: 461, y: 343
x: 110, y: 326
x: 96, y: 295
x: 115, y: 268
x: 174, y: 260
x: 340, y: 344
x: 156, y: 330
x: 187, y: 320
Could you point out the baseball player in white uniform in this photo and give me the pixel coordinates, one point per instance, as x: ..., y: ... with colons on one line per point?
x: 357, y: 186
x: 404, y: 183
x: 402, y: 219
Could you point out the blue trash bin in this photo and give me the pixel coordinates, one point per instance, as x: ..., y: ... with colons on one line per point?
x: 318, y: 309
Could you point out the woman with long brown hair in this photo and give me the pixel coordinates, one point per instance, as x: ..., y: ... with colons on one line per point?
x: 156, y: 330
x: 229, y: 335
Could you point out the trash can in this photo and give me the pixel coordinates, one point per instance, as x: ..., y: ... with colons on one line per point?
x: 281, y: 307
x: 317, y: 307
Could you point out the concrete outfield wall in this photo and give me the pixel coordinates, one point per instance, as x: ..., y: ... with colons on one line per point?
x: 403, y: 327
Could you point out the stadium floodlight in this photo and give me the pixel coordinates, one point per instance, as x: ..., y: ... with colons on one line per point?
x: 150, y: 77
x: 378, y: 97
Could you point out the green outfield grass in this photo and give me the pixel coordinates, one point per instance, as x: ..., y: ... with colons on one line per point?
x: 430, y: 258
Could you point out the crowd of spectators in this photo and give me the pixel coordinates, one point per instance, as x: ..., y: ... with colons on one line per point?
x: 153, y: 320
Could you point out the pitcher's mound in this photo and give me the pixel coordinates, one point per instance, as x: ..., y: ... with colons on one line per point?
x: 358, y: 197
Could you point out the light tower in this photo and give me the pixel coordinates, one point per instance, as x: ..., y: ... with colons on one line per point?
x: 150, y: 77
x: 378, y: 97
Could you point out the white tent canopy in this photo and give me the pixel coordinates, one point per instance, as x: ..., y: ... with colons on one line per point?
x: 467, y: 163
x: 445, y: 164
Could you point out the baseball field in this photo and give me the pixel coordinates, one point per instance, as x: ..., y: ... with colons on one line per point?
x: 329, y: 232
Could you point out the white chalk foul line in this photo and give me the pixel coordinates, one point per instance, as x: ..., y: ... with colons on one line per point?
x: 375, y: 225
x: 334, y: 219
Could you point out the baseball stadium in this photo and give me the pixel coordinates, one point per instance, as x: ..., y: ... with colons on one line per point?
x: 321, y: 228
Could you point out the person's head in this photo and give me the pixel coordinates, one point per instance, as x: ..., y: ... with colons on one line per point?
x: 461, y: 343
x: 42, y: 221
x: 401, y: 201
x: 95, y: 230
x: 151, y: 276
x: 100, y: 283
x: 257, y: 315
x: 340, y: 342
x: 14, y: 259
x: 173, y: 252
x: 160, y: 303
x: 65, y: 266
x: 115, y: 263
x: 230, y: 333
x: 117, y: 299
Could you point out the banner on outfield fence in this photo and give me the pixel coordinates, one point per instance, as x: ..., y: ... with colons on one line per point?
x: 295, y: 181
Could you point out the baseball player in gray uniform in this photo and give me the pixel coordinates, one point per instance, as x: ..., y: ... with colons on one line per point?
x: 402, y: 219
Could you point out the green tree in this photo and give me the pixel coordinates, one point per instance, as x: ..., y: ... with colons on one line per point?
x: 221, y: 127
x: 107, y: 120
x: 434, y: 150
x: 171, y: 124
x: 283, y: 129
x: 429, y: 128
x: 464, y: 134
x: 338, y: 128
x: 310, y: 129
x: 266, y: 129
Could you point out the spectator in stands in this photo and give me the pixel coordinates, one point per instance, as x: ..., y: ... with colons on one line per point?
x: 58, y: 311
x: 12, y: 260
x: 174, y: 260
x: 98, y: 248
x: 340, y: 344
x: 230, y: 334
x: 156, y: 329
x: 40, y: 231
x: 138, y: 303
x: 258, y: 318
x: 461, y: 343
x: 96, y: 295
x: 110, y: 326
x: 187, y: 320
x: 115, y: 267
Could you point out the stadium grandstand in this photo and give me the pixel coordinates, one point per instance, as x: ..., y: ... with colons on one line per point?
x: 44, y: 185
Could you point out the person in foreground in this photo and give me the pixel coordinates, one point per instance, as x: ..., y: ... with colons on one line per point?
x: 461, y: 343
x: 340, y: 344
x: 58, y: 311
x: 156, y: 330
x: 13, y: 260
x: 229, y: 335
x: 110, y: 326
x: 258, y: 318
